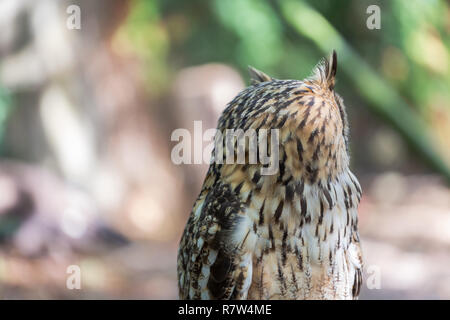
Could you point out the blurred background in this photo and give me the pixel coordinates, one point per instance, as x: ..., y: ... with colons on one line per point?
x: 86, y: 117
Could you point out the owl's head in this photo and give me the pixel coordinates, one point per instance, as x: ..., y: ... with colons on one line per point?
x: 309, y: 115
x: 319, y: 88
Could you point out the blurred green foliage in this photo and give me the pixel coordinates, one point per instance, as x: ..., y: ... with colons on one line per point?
x: 180, y: 33
x: 400, y: 71
x: 5, y: 108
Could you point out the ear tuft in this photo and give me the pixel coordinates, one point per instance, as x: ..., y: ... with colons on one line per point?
x: 257, y: 76
x: 325, y: 71
x: 332, y: 68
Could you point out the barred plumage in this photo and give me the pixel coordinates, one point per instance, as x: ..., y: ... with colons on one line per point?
x: 291, y: 235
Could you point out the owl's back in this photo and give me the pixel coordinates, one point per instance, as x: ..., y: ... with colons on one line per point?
x: 288, y: 235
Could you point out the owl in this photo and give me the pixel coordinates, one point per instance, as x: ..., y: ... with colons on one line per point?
x: 291, y: 234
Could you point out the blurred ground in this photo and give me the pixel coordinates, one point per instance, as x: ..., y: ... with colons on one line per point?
x: 86, y: 117
x: 404, y: 225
